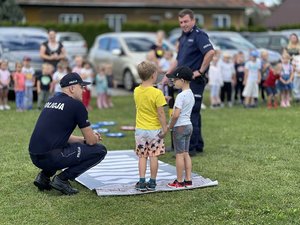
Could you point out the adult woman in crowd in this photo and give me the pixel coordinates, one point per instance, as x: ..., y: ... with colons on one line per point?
x: 293, y: 47
x: 52, y: 51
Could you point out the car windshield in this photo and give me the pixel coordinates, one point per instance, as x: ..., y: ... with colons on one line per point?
x: 21, y: 43
x: 138, y: 44
x: 232, y: 43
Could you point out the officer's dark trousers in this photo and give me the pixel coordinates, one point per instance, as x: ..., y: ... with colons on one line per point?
x: 197, y: 87
x: 76, y: 158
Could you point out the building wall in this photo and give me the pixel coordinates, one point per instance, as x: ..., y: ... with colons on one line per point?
x: 50, y: 14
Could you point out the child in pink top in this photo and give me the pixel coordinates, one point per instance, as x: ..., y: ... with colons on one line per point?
x: 19, y: 81
x: 4, y: 83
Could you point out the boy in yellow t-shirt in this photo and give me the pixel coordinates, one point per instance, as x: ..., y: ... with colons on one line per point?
x: 151, y: 125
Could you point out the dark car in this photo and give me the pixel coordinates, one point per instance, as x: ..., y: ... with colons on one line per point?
x: 270, y: 40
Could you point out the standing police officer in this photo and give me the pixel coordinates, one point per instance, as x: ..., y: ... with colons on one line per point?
x: 52, y: 146
x: 196, y: 52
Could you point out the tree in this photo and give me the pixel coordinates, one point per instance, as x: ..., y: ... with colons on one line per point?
x: 10, y: 11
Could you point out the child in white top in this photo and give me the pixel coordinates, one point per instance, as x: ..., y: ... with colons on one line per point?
x: 29, y: 72
x: 215, y: 82
x: 181, y: 125
x: 252, y: 79
x: 57, y: 76
x: 4, y: 83
x: 296, y: 83
x: 78, y: 64
x: 228, y: 76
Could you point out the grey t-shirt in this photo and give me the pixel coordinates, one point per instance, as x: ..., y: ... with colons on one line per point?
x: 185, y: 101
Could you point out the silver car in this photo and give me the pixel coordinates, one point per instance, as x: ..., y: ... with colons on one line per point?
x: 124, y: 50
x: 18, y: 42
x: 73, y: 43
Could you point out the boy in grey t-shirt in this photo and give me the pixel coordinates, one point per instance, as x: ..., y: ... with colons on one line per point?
x: 181, y: 125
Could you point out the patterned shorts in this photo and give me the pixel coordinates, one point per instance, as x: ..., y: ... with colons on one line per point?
x: 148, y: 143
x: 181, y: 138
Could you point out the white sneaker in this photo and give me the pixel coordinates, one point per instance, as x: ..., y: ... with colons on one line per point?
x: 1, y: 107
x: 7, y: 107
x: 203, y: 106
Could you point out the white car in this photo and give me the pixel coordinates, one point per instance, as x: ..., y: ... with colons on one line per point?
x: 73, y: 43
x: 124, y: 50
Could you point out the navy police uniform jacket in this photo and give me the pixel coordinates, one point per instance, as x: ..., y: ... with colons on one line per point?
x: 56, y: 123
x: 192, y: 48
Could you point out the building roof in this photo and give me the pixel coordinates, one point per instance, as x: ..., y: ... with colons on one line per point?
x: 142, y: 3
x: 285, y: 14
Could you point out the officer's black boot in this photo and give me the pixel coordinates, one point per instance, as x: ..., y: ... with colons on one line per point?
x: 42, y: 182
x: 63, y: 186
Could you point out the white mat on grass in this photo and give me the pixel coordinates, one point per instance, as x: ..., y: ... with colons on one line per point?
x: 118, y: 173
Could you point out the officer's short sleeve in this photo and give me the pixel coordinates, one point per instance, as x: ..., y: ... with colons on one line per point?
x: 203, y: 43
x: 82, y: 116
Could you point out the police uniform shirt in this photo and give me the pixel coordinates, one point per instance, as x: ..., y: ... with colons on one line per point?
x: 59, y: 118
x: 192, y: 48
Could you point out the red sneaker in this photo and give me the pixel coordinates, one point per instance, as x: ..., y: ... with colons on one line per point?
x: 176, y: 185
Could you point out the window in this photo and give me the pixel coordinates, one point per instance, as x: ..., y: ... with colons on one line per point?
x: 71, y: 18
x: 103, y: 43
x: 221, y: 21
x: 115, y: 21
x: 114, y: 44
x: 199, y: 20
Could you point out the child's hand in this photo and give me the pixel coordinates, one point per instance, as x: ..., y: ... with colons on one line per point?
x: 162, y: 134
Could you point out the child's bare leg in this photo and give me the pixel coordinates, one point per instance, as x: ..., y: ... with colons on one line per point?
x: 142, y: 167
x: 247, y: 100
x: 251, y: 100
x: 179, y: 166
x: 153, y: 167
x: 187, y: 166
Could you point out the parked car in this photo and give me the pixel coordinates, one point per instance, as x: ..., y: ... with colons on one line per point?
x: 73, y: 43
x: 288, y: 32
x: 124, y: 50
x: 231, y: 42
x: 270, y: 40
x: 18, y: 42
x: 240, y: 43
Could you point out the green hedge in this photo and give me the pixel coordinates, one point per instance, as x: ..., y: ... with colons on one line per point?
x: 90, y: 30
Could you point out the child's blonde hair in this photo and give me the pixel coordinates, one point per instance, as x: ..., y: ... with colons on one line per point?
x: 146, y: 70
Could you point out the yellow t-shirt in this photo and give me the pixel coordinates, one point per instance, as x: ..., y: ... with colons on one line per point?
x: 147, y: 100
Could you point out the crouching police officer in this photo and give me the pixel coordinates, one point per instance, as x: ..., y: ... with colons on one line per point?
x: 52, y: 146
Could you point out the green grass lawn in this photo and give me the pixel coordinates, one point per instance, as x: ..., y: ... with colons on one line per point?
x: 254, y: 154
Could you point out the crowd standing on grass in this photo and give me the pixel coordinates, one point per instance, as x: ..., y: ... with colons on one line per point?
x: 46, y: 82
x: 256, y: 80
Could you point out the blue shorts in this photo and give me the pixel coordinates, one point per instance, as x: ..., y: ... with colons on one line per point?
x: 271, y: 91
x: 181, y: 138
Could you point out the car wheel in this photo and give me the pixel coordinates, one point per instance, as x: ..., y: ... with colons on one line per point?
x: 128, y: 80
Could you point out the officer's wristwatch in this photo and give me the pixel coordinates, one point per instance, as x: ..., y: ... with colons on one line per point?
x: 201, y: 73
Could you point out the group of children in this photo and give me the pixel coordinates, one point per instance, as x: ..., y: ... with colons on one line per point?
x: 24, y: 79
x: 151, y: 125
x: 247, y: 78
